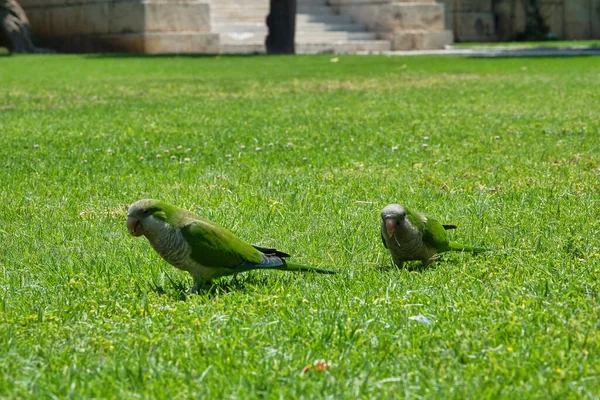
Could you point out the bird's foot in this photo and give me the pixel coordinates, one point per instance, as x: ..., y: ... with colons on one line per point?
x: 194, y: 289
x: 398, y: 264
x: 199, y: 285
x: 431, y: 260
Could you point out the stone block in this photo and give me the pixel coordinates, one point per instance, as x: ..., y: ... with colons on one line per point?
x: 106, y: 17
x: 413, y: 16
x: 467, y: 5
x: 567, y: 19
x: 553, y: 14
x: 146, y: 43
x: 124, y: 25
x: 438, y: 40
x: 473, y: 6
x: 350, y: 47
x: 366, y: 14
x: 596, y: 20
x: 421, y: 40
x: 121, y: 43
x: 61, y: 3
x: 87, y: 17
x: 124, y: 16
x: 358, y: 2
x: 177, y: 43
x: 177, y: 17
x: 474, y: 27
x: 510, y: 18
x: 84, y: 18
x: 448, y: 9
x: 386, y: 16
x: 577, y: 20
x: 243, y: 49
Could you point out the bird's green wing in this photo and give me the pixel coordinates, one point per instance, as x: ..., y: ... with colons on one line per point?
x: 434, y: 235
x: 214, y: 246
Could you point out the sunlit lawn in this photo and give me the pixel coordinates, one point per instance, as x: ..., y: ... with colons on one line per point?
x: 301, y: 153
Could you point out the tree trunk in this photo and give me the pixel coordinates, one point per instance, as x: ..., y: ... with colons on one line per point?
x: 15, y: 32
x: 281, y: 22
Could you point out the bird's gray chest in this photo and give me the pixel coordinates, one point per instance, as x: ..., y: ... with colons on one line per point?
x: 175, y: 250
x: 406, y: 244
x: 172, y: 246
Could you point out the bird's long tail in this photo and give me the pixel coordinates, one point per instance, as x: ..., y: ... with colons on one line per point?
x: 471, y: 249
x: 292, y: 266
x: 277, y: 262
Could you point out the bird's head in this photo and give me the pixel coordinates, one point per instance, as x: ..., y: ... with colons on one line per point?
x: 392, y: 216
x: 145, y: 216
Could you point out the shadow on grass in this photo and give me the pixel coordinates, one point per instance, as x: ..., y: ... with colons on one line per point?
x: 412, y: 266
x: 538, y: 52
x: 180, y: 289
x: 93, y: 56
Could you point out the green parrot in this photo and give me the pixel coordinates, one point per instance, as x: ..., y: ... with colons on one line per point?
x: 201, y: 247
x: 411, y: 236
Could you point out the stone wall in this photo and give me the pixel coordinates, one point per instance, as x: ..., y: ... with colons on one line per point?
x: 184, y: 26
x: 490, y: 20
x: 471, y: 20
x: 572, y: 19
x: 408, y: 25
x: 138, y: 26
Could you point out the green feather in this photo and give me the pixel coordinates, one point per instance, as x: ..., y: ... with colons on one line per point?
x: 216, y: 247
x: 472, y: 249
x: 434, y: 235
x: 417, y: 236
x: 213, y: 251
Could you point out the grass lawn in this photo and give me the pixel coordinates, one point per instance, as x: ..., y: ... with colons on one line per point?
x: 301, y: 153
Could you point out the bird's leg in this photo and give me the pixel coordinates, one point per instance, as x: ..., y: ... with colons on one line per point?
x: 431, y: 260
x: 199, y: 284
x: 238, y: 282
x: 193, y: 290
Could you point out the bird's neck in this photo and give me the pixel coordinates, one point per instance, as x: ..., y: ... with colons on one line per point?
x: 170, y: 244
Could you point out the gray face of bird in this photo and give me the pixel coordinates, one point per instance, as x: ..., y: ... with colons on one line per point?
x: 134, y: 221
x: 394, y: 219
x: 140, y: 220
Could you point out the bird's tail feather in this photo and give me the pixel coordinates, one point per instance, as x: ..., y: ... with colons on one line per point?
x: 292, y: 266
x: 472, y: 249
x: 276, y: 262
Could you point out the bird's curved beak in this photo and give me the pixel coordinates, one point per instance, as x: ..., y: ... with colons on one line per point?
x: 134, y: 227
x: 390, y: 226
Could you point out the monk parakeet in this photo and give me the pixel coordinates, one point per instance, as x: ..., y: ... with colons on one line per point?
x: 201, y: 247
x: 411, y: 236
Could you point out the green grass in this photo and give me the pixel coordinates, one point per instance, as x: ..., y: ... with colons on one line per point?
x: 512, y: 157
x: 531, y: 45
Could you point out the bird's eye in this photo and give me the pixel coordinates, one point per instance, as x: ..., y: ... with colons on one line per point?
x: 146, y: 211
